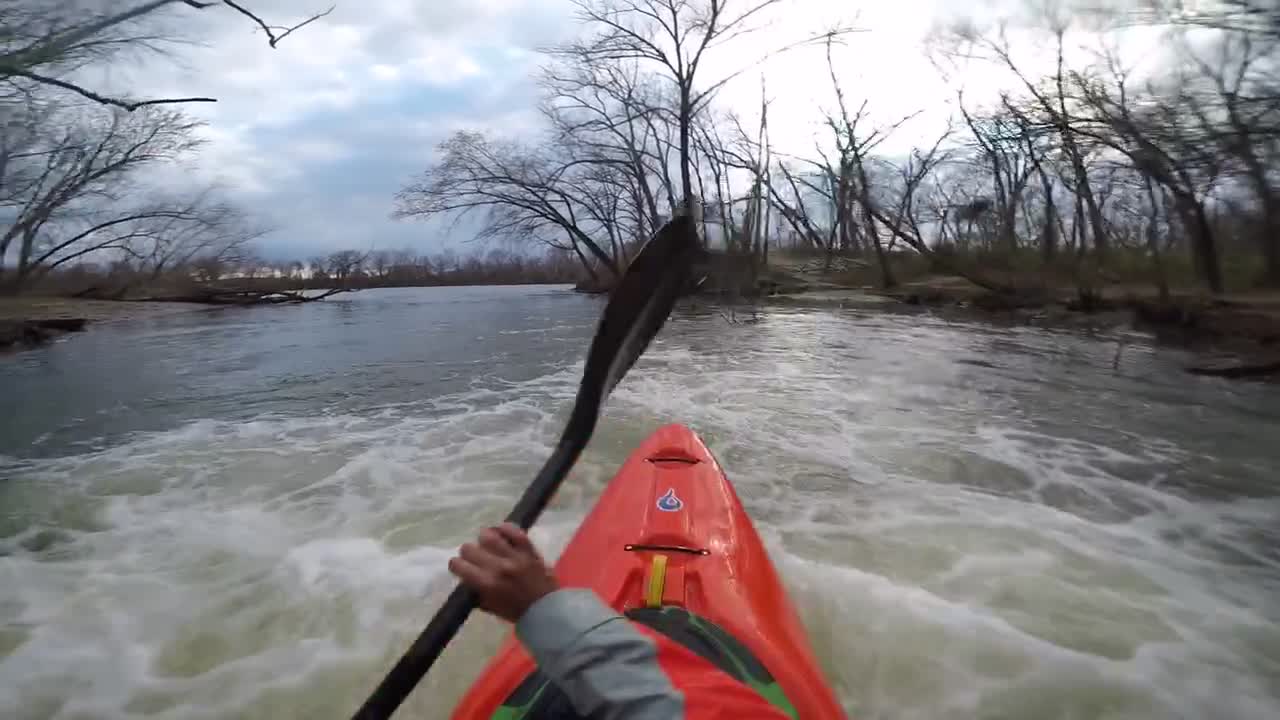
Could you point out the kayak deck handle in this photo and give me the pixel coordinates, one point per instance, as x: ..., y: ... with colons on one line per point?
x: 673, y: 455
x: 666, y: 548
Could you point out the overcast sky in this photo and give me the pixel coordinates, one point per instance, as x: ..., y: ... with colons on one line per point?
x: 318, y: 135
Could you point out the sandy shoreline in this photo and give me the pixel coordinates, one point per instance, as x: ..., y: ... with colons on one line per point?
x: 28, y: 322
x: 95, y: 311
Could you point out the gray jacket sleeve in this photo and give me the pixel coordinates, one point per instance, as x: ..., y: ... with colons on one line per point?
x: 602, y: 664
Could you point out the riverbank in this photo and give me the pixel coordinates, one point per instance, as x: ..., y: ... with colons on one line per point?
x: 27, y: 322
x: 31, y: 333
x: 1236, y: 335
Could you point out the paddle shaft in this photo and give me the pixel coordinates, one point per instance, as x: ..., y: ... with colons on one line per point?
x: 448, y: 620
x: 636, y: 310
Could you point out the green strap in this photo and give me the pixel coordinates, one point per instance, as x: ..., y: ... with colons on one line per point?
x: 518, y: 712
x: 770, y: 690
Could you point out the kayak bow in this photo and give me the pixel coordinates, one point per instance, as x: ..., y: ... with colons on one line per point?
x: 670, y: 532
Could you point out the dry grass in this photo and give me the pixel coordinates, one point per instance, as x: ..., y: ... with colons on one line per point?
x: 44, y: 308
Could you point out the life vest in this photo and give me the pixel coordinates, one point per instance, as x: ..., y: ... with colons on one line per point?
x: 710, y: 693
x: 718, y: 676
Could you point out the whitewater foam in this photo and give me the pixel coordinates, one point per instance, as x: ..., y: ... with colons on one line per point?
x: 962, y: 540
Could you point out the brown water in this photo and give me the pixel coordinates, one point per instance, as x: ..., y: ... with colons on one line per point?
x: 246, y: 514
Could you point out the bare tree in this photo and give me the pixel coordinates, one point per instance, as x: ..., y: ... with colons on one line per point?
x: 72, y: 176
x: 209, y: 269
x: 214, y: 229
x: 897, y: 206
x: 1155, y: 133
x: 517, y: 191
x: 849, y: 178
x: 1236, y: 106
x: 380, y: 264
x: 1038, y: 145
x: 318, y: 268
x: 1001, y: 142
x: 342, y: 265
x: 44, y: 43
x: 756, y: 225
x: 610, y: 114
x: 167, y: 234
x: 792, y: 202
x: 1048, y: 100
x: 674, y: 36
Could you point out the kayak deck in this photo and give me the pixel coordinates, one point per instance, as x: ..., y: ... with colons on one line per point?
x: 669, y: 531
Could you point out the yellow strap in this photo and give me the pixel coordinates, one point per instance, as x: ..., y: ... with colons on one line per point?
x: 657, y: 580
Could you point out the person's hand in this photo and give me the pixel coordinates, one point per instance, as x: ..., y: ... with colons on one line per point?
x: 505, y: 570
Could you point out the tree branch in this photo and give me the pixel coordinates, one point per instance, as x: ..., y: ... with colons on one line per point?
x: 272, y: 38
x: 114, y: 102
x: 68, y: 43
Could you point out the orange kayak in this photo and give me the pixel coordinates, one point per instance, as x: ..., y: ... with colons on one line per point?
x: 670, y: 532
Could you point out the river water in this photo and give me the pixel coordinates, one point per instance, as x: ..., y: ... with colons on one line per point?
x: 246, y: 513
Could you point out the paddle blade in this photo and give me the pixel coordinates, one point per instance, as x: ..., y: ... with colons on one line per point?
x: 641, y: 302
x: 637, y: 309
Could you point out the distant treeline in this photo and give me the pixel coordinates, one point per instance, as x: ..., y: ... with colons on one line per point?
x: 348, y: 269
x: 404, y: 268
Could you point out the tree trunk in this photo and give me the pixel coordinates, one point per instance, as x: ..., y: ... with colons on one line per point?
x: 1157, y: 260
x: 1078, y: 229
x: 585, y: 262
x: 702, y: 216
x: 766, y: 213
x: 613, y: 246
x: 597, y: 252
x: 1008, y: 228
x: 4, y: 252
x: 1153, y: 242
x: 886, y: 272
x: 1084, y: 191
x: 1049, y: 238
x: 686, y: 172
x: 1203, y: 242
x: 650, y: 227
x: 1271, y: 239
x: 24, y: 257
x: 1006, y: 208
x: 1097, y: 223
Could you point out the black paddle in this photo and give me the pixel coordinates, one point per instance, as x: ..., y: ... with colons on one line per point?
x: 635, y: 312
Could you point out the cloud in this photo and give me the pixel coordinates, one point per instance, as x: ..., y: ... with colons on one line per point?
x: 317, y: 135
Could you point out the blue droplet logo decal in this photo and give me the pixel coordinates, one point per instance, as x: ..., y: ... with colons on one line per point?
x: 669, y: 502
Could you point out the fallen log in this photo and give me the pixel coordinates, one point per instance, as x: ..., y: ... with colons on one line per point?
x: 30, y: 333
x: 234, y: 297
x: 61, y: 324
x: 1238, y: 369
